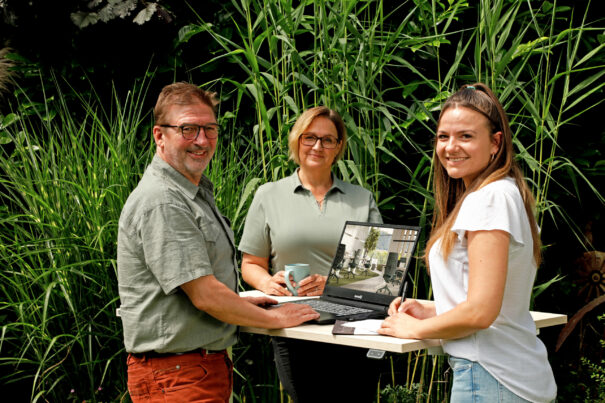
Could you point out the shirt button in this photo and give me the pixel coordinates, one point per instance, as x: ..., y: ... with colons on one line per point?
x: 178, y: 367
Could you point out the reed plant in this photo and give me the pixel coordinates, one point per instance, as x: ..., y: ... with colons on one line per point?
x: 293, y: 57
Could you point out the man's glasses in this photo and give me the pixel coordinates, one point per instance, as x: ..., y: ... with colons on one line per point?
x: 191, y: 131
x: 327, y: 142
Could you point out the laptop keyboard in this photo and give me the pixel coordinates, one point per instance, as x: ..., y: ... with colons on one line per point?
x: 333, y: 308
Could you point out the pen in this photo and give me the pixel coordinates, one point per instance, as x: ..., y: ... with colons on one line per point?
x: 405, y: 288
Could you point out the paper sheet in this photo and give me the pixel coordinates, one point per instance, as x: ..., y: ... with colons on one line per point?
x: 368, y: 326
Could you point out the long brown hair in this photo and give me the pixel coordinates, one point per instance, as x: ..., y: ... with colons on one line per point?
x: 450, y: 192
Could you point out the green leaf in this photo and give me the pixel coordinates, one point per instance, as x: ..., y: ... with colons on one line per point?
x: 529, y: 47
x: 8, y: 120
x: 5, y: 138
x: 248, y: 191
x: 189, y: 31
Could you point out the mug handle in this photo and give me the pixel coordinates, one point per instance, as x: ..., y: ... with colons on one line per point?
x: 288, y: 284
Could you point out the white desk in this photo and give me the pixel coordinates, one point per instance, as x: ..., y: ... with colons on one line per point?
x: 323, y: 333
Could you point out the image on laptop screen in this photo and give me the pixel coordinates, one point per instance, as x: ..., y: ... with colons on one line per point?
x: 373, y: 258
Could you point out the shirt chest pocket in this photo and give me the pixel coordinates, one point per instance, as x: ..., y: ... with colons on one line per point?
x: 209, y: 229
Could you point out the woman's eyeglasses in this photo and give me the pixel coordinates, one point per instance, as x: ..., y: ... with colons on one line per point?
x: 327, y: 142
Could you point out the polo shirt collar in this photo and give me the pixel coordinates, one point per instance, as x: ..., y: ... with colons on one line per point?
x: 296, y: 184
x: 178, y: 179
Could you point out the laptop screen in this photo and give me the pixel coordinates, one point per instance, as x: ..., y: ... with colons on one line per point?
x: 372, y: 259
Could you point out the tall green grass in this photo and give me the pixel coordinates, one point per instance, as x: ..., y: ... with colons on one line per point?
x: 64, y: 175
x: 344, y: 63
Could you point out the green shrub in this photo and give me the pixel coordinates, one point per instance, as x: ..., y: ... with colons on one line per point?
x: 401, y: 394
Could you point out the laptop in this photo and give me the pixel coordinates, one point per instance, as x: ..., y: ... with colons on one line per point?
x: 368, y: 271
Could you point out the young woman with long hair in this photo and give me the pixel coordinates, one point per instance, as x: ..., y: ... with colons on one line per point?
x: 482, y: 255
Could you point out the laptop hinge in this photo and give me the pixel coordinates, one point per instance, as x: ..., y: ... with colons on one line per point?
x: 352, y: 302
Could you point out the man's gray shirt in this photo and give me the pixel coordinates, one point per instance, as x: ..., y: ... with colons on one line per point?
x: 170, y: 232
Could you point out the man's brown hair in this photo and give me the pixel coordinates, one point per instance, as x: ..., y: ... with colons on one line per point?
x: 181, y: 94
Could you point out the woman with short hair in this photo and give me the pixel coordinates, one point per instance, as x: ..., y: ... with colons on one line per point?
x: 299, y: 219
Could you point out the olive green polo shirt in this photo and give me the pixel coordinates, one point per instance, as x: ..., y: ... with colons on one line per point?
x: 171, y: 232
x: 285, y: 223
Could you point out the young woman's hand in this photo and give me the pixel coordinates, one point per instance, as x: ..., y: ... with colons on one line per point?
x: 413, y: 307
x: 404, y: 318
x: 400, y: 325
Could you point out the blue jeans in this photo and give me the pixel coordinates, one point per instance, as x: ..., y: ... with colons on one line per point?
x: 473, y: 384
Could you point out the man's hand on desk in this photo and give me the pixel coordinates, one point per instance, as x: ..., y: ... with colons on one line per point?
x: 213, y: 297
x: 263, y: 302
x: 288, y: 315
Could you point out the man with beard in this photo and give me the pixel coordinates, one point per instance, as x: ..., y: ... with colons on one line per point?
x: 177, y: 269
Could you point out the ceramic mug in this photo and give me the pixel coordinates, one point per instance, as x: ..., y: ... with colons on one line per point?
x: 298, y: 271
